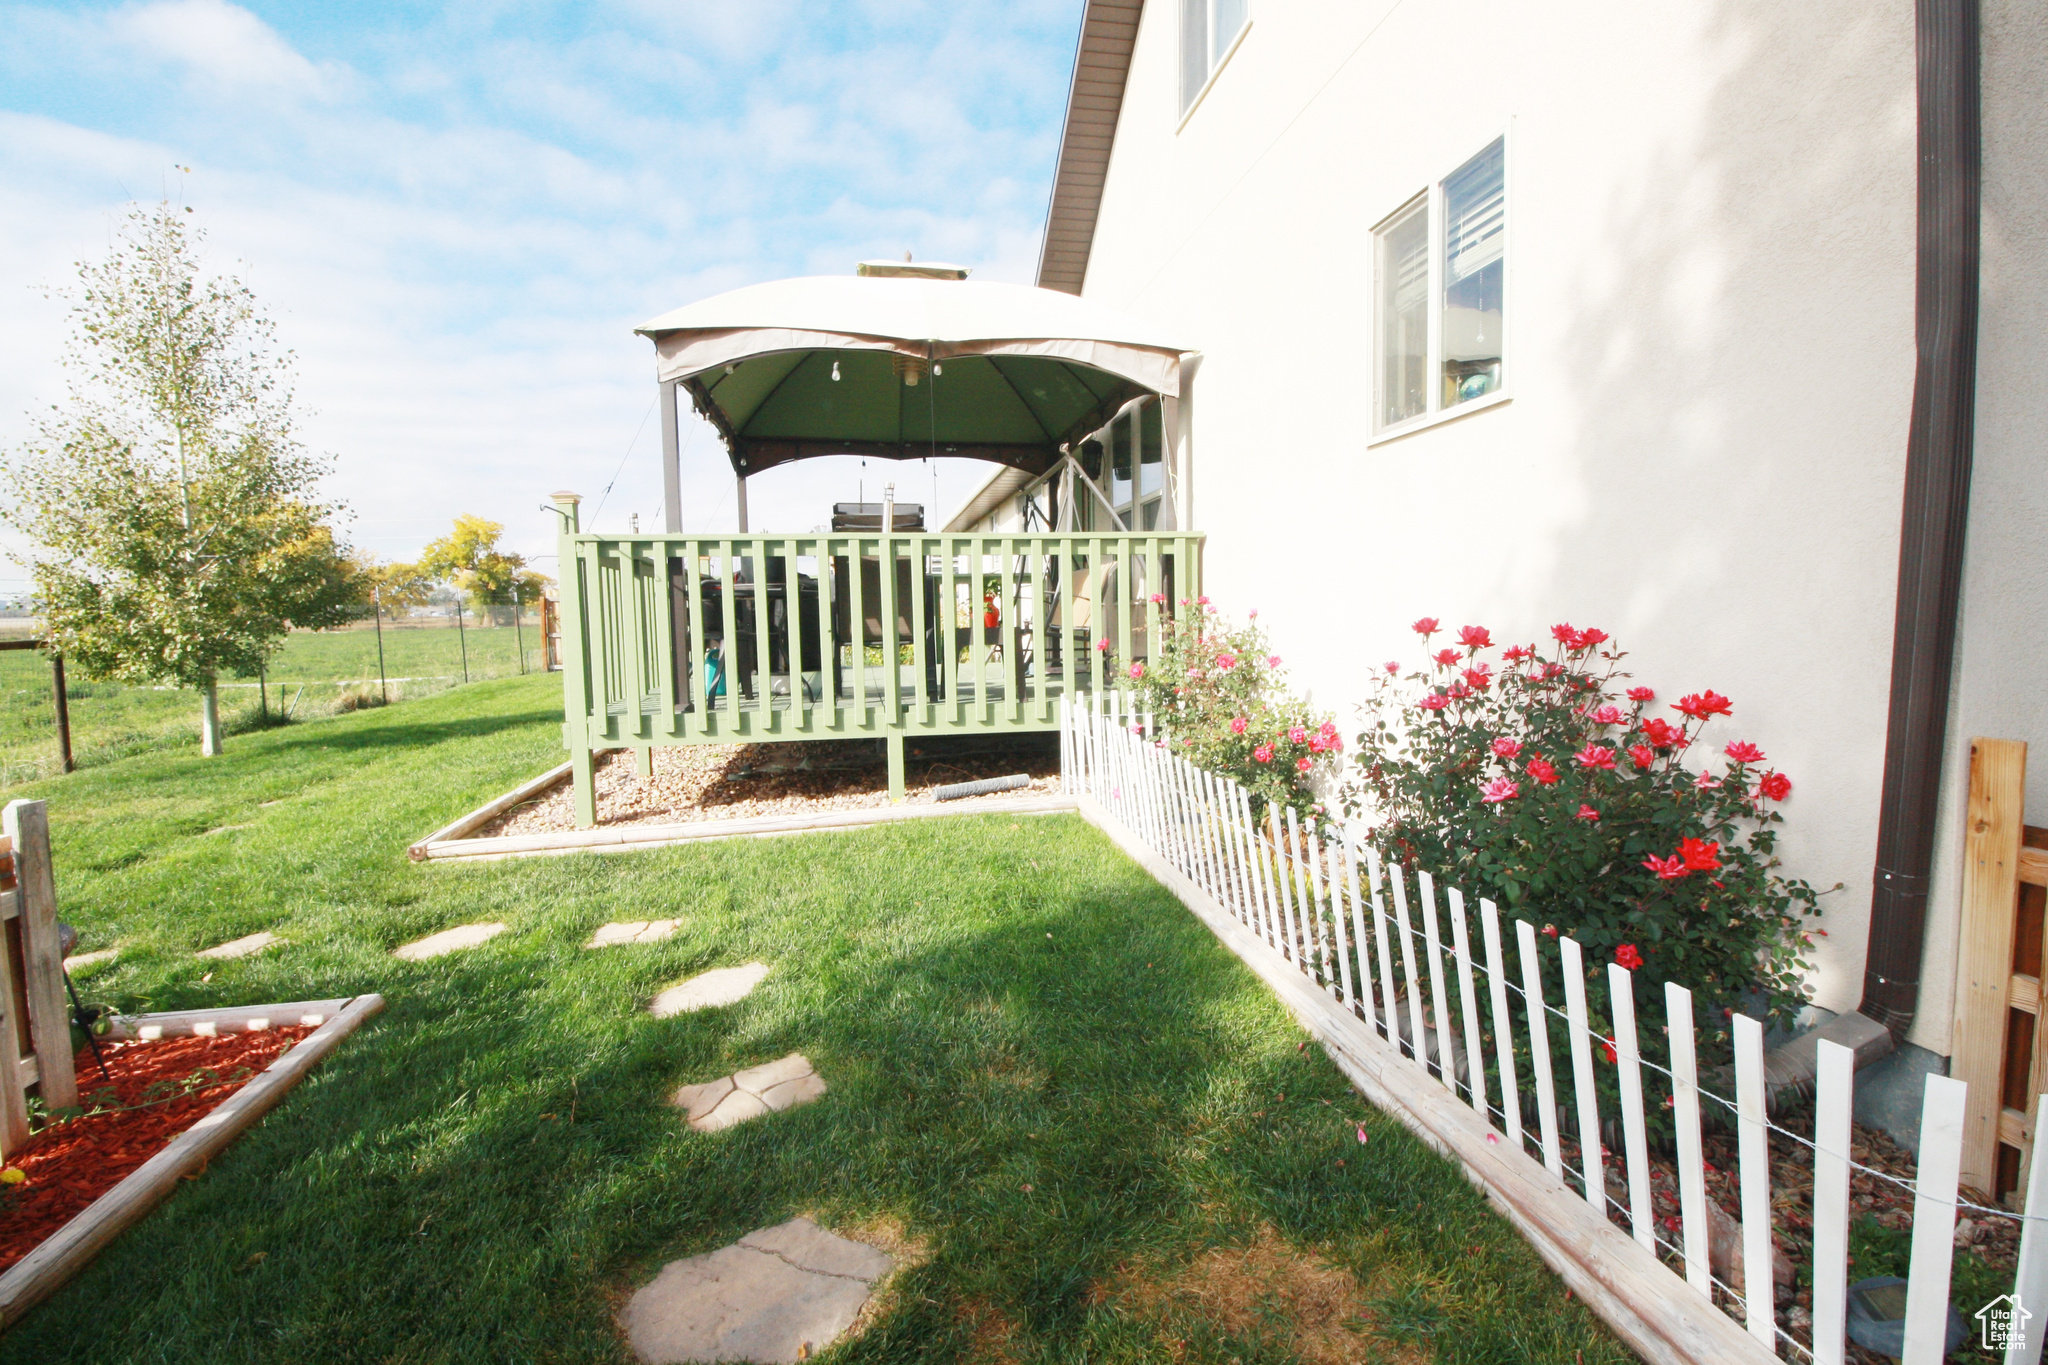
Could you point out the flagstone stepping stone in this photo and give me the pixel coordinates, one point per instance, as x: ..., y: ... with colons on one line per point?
x: 766, y: 1089
x: 242, y: 947
x: 633, y: 931
x: 448, y: 941
x: 77, y: 960
x: 721, y: 987
x: 778, y: 1294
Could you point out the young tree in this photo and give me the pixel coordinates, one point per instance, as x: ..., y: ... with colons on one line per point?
x: 469, y: 557
x: 177, y: 529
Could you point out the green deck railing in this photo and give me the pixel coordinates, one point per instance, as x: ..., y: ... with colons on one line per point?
x: 719, y: 639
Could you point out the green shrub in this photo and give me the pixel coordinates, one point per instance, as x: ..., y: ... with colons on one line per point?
x: 1219, y: 694
x: 1552, y: 788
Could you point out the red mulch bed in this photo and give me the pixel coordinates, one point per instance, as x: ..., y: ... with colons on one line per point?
x: 161, y: 1088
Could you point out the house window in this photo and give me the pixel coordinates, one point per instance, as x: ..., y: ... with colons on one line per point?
x: 1439, y: 295
x: 1207, y: 30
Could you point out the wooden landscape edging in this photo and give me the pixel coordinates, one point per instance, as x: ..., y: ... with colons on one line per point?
x: 489, y: 811
x: 66, y: 1251
x: 233, y: 1019
x: 1620, y: 1281
x: 623, y: 837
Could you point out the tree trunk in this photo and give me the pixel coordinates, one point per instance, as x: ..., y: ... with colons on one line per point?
x: 209, y: 720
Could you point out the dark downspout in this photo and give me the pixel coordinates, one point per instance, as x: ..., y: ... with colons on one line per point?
x: 1937, y: 498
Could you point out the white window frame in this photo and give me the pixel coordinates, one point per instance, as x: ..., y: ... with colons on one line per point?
x: 1194, y: 102
x: 1434, y: 412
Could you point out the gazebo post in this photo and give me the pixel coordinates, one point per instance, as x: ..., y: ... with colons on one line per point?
x: 741, y: 480
x: 671, y: 461
x: 893, y: 741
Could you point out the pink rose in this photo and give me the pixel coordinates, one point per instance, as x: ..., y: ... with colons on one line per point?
x: 1304, y: 764
x: 1498, y: 790
x: 1264, y: 753
x: 1507, y: 748
x: 1238, y: 724
x: 1296, y: 735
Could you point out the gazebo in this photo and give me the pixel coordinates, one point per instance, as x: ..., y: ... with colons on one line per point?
x: 878, y: 628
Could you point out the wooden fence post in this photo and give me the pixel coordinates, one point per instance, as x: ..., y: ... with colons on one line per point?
x: 1991, y: 855
x: 27, y: 826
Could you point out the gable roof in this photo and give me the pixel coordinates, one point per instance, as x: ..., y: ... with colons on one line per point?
x: 1102, y: 61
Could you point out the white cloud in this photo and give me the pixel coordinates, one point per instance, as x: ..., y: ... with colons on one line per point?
x: 222, y: 47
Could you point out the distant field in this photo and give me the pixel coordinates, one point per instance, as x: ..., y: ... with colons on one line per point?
x: 307, y: 677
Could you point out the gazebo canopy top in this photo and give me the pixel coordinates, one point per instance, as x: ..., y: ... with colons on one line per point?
x: 904, y: 368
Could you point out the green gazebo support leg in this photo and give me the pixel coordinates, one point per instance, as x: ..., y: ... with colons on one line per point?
x: 583, y: 772
x: 643, y: 760
x: 894, y: 743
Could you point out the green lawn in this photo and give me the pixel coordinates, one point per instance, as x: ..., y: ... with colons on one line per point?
x: 110, y: 721
x: 1042, y: 1069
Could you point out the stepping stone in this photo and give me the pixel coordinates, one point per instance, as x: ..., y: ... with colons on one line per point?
x: 784, y: 1293
x: 766, y: 1089
x: 242, y: 947
x: 721, y: 987
x: 448, y: 941
x: 633, y: 931
x: 77, y: 960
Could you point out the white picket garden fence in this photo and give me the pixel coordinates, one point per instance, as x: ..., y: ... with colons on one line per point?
x: 1323, y: 907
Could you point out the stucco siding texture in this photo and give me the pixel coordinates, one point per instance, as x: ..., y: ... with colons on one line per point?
x: 1710, y: 366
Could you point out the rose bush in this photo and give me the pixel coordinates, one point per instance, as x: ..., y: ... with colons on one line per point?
x: 1582, y: 804
x: 1221, y: 699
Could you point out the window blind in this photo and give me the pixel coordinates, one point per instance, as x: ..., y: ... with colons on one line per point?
x: 1475, y: 214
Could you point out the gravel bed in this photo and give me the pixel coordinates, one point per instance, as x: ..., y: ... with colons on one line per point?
x: 808, y: 777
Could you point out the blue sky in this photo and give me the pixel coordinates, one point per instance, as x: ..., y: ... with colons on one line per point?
x: 458, y: 213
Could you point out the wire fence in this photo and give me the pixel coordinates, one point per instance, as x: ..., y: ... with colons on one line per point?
x: 314, y: 673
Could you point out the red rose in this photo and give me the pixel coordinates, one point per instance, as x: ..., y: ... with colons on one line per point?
x: 1774, y: 787
x: 1541, y: 771
x: 1475, y: 637
x: 1700, y: 855
x: 1701, y: 705
x: 1591, y: 636
x: 1435, y: 701
x: 1662, y: 733
x: 1628, y: 956
x: 1304, y: 764
x: 1551, y: 930
x: 1595, y: 756
x: 1480, y: 678
x: 1667, y: 869
x: 1744, y: 752
x: 1426, y: 627
x: 1264, y: 753
x: 1515, y: 654
x: 1642, y: 754
x: 1588, y: 813
x: 1497, y: 791
x: 1641, y: 694
x: 1392, y: 665
x: 1507, y: 748
x: 1446, y: 657
x: 1564, y: 633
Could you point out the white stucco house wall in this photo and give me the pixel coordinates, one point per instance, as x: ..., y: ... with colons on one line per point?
x: 1695, y: 244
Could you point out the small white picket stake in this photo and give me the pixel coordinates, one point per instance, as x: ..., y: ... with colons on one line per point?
x: 1503, y: 1023
x: 1447, y: 1044
x: 1205, y: 799
x: 1461, y: 952
x: 1414, y: 982
x: 1539, y: 1046
x: 1685, y: 1116
x: 1262, y: 867
x: 2030, y: 1283
x: 1358, y: 933
x: 1304, y: 864
x: 1591, y: 1167
x: 1333, y: 864
x: 1381, y: 933
x: 1753, y: 1151
x: 1635, y: 1141
x: 1246, y: 907
x: 1833, y: 1101
x: 1284, y: 884
x: 1315, y: 881
x: 1934, y: 1219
